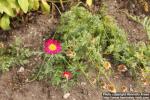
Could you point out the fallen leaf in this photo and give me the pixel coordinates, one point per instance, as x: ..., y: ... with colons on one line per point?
x: 70, y: 54
x: 111, y: 88
x: 145, y: 82
x: 122, y: 68
x: 66, y: 96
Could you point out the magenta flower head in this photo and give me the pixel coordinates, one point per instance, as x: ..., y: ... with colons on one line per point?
x: 52, y: 46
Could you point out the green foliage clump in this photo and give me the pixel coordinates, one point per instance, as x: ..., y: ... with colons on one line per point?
x: 85, y: 37
x: 87, y: 40
x: 6, y: 62
x: 136, y: 57
x: 82, y: 33
x: 91, y: 36
x: 13, y: 55
x: 52, y: 69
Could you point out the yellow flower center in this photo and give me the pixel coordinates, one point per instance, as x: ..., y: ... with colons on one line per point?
x: 52, y: 47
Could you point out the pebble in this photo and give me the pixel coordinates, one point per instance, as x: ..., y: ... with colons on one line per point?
x: 73, y: 99
x: 83, y: 83
x: 21, y: 70
x: 66, y: 96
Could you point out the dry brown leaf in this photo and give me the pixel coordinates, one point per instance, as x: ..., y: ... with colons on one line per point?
x: 122, y: 68
x: 145, y: 82
x: 111, y: 88
x: 70, y: 54
x: 104, y: 85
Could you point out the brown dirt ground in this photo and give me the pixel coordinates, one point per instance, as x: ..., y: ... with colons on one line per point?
x: 13, y: 85
x: 134, y: 30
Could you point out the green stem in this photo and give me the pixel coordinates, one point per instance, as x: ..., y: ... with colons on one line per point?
x: 37, y: 75
x: 105, y: 76
x: 67, y: 62
x: 86, y: 76
x: 54, y: 35
x: 57, y: 8
x: 61, y: 2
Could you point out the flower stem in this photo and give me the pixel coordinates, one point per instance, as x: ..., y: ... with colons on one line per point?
x: 37, y: 75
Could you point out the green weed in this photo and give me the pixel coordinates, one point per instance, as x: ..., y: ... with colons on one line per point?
x: 14, y: 55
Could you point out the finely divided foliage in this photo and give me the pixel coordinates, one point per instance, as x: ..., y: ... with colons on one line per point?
x: 14, y: 55
x: 86, y: 40
x: 92, y: 37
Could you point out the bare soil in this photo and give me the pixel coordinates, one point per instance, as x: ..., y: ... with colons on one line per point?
x: 134, y: 30
x: 14, y: 85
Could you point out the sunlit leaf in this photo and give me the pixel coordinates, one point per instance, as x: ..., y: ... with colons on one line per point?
x: 4, y: 22
x: 24, y: 4
x: 4, y: 7
x: 45, y: 7
x: 36, y: 5
x: 89, y: 2
x: 31, y: 3
x: 13, y: 3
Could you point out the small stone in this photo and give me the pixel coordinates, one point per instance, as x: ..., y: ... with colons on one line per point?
x: 21, y: 70
x: 53, y: 97
x: 66, y: 96
x: 116, y: 77
x: 33, y: 95
x: 27, y: 80
x: 1, y: 45
x: 73, y: 99
x: 83, y: 83
x: 131, y: 88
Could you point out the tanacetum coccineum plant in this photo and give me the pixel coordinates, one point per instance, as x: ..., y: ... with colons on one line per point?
x: 84, y: 37
x: 85, y: 40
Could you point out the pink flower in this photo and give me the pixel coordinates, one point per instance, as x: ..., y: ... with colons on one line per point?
x: 67, y: 75
x: 52, y: 46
